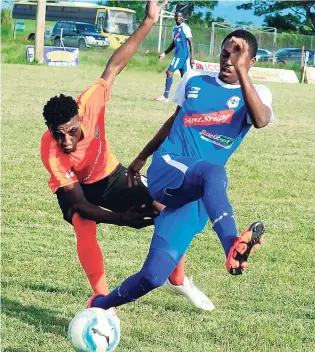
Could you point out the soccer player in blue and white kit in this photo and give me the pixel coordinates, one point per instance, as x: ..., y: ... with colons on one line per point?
x: 187, y: 173
x: 182, y: 42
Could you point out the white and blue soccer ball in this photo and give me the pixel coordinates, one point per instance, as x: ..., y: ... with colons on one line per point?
x: 94, y: 330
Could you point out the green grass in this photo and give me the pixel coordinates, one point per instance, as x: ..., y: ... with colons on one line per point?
x: 271, y: 178
x: 14, y: 52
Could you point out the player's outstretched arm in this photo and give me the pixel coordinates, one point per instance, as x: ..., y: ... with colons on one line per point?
x: 135, y: 218
x: 192, y: 59
x: 122, y: 55
x: 134, y: 168
x: 168, y: 50
x: 260, y: 113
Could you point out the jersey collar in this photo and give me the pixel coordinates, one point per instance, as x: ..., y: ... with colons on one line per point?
x: 226, y: 85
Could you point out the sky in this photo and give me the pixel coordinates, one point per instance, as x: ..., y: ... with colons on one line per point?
x: 228, y: 11
x: 225, y: 9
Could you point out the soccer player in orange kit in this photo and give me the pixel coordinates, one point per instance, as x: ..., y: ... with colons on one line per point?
x: 85, y: 175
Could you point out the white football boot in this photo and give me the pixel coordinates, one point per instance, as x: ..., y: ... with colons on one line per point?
x: 192, y: 293
x: 161, y: 99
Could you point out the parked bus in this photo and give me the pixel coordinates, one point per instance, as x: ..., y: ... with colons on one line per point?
x: 115, y: 22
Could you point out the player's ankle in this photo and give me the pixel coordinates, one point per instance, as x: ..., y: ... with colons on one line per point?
x: 176, y: 281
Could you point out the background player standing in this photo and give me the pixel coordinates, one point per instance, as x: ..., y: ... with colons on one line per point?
x: 182, y: 42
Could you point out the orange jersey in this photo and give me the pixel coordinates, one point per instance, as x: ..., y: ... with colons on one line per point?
x: 93, y: 159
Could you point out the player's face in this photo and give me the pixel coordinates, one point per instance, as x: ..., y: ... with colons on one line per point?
x: 179, y: 18
x: 227, y: 71
x: 68, y: 135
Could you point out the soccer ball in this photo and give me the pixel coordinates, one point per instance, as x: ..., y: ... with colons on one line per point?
x: 94, y: 330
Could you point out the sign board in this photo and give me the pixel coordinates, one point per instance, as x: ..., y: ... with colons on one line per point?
x: 256, y: 73
x: 56, y: 56
x: 310, y: 74
x: 273, y: 75
x: 19, y: 26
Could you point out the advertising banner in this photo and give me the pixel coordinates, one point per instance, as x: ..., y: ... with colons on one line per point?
x: 310, y: 74
x: 56, y: 56
x: 256, y: 73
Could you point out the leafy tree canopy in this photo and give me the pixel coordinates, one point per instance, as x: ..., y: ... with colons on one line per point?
x: 189, y: 8
x: 299, y: 14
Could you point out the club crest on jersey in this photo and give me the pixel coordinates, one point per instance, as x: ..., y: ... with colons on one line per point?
x: 97, y: 132
x: 69, y: 174
x: 233, y: 102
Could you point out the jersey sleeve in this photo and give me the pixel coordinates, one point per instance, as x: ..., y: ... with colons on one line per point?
x: 59, y: 168
x: 187, y: 31
x: 266, y: 98
x: 92, y: 101
x: 179, y: 95
x: 60, y: 171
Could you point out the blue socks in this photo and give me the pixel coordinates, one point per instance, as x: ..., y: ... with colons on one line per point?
x: 168, y: 85
x: 161, y: 261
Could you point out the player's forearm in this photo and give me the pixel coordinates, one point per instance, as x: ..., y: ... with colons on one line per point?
x: 94, y: 213
x: 260, y: 113
x: 157, y: 140
x: 170, y: 48
x: 191, y: 49
x: 122, y: 55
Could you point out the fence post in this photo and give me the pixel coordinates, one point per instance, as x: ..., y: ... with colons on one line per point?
x: 40, y: 31
x: 14, y: 30
x: 274, y: 45
x: 211, y: 40
x: 160, y: 31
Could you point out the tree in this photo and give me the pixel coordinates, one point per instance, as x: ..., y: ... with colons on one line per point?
x: 189, y: 8
x: 304, y: 11
x: 287, y: 23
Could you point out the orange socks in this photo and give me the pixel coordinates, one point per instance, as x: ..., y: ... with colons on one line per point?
x: 178, y: 275
x: 90, y: 254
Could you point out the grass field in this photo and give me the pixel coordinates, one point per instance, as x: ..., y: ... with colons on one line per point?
x: 271, y: 308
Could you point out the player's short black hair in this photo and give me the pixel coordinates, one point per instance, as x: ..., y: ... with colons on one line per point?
x: 59, y: 110
x: 247, y: 36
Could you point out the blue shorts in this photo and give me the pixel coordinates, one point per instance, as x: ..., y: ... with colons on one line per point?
x: 183, y: 217
x: 178, y: 64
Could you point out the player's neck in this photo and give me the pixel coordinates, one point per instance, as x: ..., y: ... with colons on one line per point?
x: 226, y: 82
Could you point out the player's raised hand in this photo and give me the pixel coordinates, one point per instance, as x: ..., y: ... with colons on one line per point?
x: 133, y: 171
x: 153, y: 9
x: 240, y: 54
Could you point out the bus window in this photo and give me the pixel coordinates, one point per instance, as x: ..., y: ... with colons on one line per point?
x: 100, y: 21
x: 119, y: 22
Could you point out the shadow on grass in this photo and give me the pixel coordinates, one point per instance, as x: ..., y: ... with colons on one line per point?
x: 53, y: 289
x: 46, y: 288
x: 42, y: 319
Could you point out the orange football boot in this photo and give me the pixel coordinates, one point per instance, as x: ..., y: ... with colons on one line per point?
x: 243, y: 246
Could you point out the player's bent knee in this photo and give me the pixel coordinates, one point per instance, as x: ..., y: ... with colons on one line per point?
x: 160, y: 263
